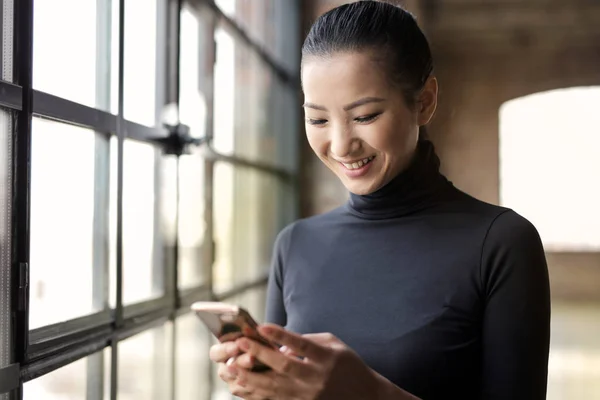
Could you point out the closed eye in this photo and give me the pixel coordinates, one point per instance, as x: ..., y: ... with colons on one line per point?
x: 367, y: 118
x: 316, y: 121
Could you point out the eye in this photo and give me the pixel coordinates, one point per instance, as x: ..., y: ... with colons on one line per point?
x: 316, y: 121
x: 367, y: 118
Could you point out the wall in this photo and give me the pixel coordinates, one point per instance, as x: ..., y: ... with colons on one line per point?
x: 478, y: 72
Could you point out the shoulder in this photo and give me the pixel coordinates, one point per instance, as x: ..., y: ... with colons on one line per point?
x: 511, y: 230
x: 308, y: 226
x: 512, y: 255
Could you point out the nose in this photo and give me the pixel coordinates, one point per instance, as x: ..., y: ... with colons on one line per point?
x: 343, y: 142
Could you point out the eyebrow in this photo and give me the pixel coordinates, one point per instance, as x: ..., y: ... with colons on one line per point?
x: 353, y: 105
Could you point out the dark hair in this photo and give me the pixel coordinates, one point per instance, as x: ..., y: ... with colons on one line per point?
x: 389, y: 31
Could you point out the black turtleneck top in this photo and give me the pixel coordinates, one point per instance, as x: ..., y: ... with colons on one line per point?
x: 442, y: 294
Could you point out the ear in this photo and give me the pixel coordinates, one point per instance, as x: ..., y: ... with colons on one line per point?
x: 427, y: 101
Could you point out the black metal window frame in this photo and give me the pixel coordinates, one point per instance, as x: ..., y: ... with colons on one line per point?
x: 43, y: 350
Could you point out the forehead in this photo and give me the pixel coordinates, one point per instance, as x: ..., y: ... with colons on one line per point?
x: 343, y: 77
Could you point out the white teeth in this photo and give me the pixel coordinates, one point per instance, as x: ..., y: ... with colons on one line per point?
x: 359, y: 164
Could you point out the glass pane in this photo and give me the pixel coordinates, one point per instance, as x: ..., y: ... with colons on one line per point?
x: 192, y: 228
x: 6, y: 158
x: 143, y: 264
x: 194, y: 72
x: 250, y: 208
x: 247, y: 104
x: 79, y: 67
x: 256, y: 18
x: 83, y: 379
x: 252, y: 300
x: 145, y: 364
x: 63, y: 196
x: 192, y: 372
x: 140, y: 63
x: 6, y: 41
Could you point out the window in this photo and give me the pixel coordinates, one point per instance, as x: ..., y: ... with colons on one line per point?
x: 74, y: 381
x: 80, y: 67
x: 65, y: 190
x: 145, y: 365
x: 246, y: 227
x: 6, y: 39
x: 552, y: 139
x: 6, y: 157
x: 118, y: 227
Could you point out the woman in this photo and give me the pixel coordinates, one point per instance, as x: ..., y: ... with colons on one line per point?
x: 423, y: 291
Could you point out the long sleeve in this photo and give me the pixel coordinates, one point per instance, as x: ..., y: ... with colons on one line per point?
x: 516, y: 320
x: 275, y: 309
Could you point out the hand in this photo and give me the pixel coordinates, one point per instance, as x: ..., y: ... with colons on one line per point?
x: 225, y: 354
x: 328, y: 370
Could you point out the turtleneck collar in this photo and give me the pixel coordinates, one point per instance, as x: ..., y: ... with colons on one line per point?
x: 414, y: 189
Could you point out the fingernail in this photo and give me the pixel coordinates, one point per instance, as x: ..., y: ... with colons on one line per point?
x: 230, y: 361
x: 283, y: 349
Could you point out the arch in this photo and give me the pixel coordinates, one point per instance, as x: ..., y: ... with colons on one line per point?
x: 549, y: 153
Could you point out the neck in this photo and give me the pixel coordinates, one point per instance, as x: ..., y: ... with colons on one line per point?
x: 419, y: 186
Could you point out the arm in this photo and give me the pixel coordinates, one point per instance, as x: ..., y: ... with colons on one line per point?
x: 275, y: 311
x: 386, y: 390
x: 516, y: 320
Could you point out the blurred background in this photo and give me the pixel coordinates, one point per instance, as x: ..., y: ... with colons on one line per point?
x: 119, y: 233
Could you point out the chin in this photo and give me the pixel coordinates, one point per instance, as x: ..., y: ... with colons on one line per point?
x: 361, y: 188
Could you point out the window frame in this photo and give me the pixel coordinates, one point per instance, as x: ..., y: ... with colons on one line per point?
x: 43, y: 350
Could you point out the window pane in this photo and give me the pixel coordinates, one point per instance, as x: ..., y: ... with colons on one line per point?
x: 83, y: 379
x: 145, y: 364
x: 192, y: 229
x: 140, y: 63
x: 192, y: 363
x: 256, y: 18
x: 143, y: 265
x: 248, y: 106
x: 63, y: 197
x: 250, y: 208
x: 6, y: 158
x: 79, y: 67
x: 6, y: 41
x: 254, y: 301
x: 542, y: 189
x: 194, y: 72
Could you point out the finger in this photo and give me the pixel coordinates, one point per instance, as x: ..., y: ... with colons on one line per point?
x: 260, y: 385
x: 240, y: 391
x: 227, y: 373
x: 221, y: 352
x: 324, y: 339
x: 245, y: 361
x: 299, y: 345
x: 287, y: 351
x: 275, y: 359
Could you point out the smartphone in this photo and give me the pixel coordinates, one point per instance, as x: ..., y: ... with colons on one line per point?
x: 228, y: 322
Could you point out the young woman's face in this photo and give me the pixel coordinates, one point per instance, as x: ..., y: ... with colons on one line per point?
x: 358, y: 124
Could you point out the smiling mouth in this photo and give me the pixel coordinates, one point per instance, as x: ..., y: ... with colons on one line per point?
x: 358, y: 164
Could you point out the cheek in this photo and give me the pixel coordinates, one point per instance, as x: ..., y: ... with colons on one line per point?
x: 317, y: 141
x: 390, y: 137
